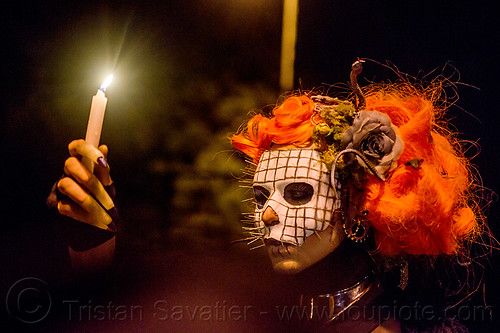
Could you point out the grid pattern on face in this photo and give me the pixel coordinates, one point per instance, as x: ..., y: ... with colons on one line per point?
x: 277, y: 169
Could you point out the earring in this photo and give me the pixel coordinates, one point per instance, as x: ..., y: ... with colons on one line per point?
x: 357, y: 230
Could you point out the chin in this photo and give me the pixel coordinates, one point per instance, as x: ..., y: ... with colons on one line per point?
x: 291, y: 259
x: 284, y: 257
x: 288, y: 267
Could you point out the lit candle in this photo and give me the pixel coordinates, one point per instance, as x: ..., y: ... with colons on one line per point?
x: 96, y: 118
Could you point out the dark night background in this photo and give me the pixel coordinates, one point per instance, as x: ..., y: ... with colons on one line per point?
x: 186, y: 75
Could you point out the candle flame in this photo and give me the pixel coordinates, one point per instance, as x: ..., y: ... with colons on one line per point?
x: 106, y: 82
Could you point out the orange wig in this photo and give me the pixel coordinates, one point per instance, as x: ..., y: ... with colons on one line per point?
x: 424, y: 210
x: 291, y: 125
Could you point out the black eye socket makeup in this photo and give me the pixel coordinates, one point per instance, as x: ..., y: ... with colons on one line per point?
x: 298, y: 193
x: 261, y: 195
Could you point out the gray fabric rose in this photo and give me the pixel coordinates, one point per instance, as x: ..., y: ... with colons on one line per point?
x: 373, y: 138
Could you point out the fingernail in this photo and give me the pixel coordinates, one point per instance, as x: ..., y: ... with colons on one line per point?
x: 102, y: 162
x: 113, y: 212
x: 112, y: 227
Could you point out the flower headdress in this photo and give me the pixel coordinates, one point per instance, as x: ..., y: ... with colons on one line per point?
x: 365, y: 137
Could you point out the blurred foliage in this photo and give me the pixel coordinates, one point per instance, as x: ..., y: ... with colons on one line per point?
x: 188, y: 183
x: 206, y: 196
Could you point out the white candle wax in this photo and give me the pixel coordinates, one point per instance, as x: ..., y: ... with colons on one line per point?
x: 96, y: 118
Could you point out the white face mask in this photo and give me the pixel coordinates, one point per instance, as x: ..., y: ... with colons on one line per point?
x: 296, y: 185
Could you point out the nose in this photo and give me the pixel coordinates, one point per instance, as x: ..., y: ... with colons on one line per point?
x: 269, y: 217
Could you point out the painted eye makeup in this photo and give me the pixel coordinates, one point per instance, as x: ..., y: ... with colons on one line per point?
x: 298, y: 193
x: 261, y: 195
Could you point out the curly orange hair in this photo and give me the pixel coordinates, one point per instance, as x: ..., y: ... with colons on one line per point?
x: 421, y: 211
x: 290, y: 125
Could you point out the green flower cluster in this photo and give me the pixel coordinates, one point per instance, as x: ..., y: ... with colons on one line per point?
x: 327, y: 134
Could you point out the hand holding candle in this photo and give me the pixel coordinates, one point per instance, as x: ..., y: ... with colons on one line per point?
x: 86, y: 197
x: 96, y: 118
